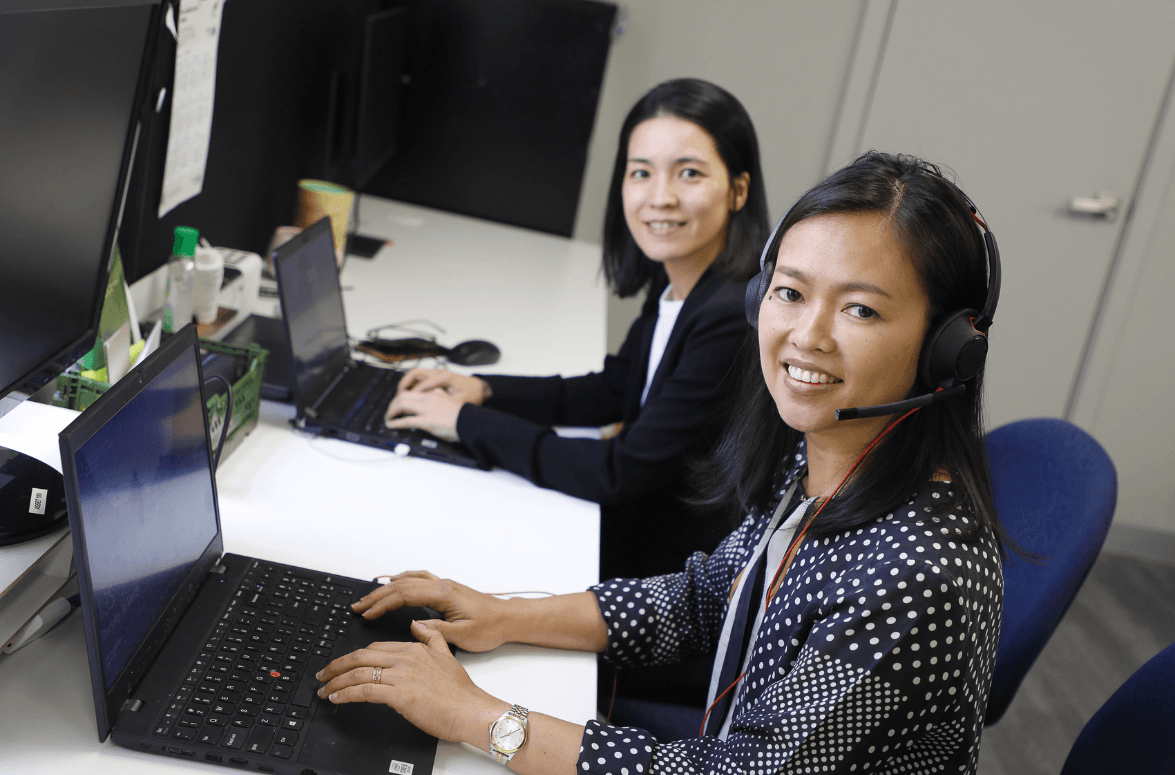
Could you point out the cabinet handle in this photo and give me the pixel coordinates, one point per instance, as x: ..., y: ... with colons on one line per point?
x: 1100, y: 206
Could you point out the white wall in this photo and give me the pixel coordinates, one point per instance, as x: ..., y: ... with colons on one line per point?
x: 785, y: 61
x: 816, y: 76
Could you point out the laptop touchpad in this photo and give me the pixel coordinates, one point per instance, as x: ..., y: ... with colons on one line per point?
x: 343, y: 738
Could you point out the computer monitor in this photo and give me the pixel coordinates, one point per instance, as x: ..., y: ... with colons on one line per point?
x: 376, y: 111
x: 70, y: 71
x: 71, y: 84
x: 381, y: 75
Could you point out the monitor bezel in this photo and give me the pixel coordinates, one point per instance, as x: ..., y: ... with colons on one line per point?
x: 60, y: 360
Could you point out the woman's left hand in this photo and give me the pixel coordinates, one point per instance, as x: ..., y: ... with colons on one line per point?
x: 422, y: 681
x: 434, y: 411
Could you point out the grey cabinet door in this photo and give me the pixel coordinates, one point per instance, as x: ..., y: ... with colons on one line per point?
x: 1031, y: 104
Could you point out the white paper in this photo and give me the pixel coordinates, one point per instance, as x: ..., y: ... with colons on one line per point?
x: 192, y: 95
x: 151, y: 344
x: 32, y: 428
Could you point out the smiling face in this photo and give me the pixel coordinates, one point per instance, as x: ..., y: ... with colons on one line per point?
x: 841, y: 326
x: 677, y: 192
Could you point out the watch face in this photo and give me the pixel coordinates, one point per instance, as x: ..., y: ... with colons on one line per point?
x: 508, y: 734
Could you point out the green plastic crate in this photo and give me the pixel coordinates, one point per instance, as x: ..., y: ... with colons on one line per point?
x: 77, y: 392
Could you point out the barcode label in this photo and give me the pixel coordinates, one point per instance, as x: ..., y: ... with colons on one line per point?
x: 400, y: 768
x: 37, y: 501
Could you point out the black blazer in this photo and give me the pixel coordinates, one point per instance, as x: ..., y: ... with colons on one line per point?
x: 639, y: 476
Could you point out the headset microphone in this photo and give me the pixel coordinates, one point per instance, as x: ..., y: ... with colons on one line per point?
x: 899, y: 406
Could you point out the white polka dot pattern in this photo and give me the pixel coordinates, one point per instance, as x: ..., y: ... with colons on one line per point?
x: 874, y: 657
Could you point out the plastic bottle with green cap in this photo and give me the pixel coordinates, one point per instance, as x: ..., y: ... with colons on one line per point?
x: 181, y: 274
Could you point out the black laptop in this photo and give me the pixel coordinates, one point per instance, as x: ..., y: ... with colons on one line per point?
x: 196, y: 654
x: 334, y: 394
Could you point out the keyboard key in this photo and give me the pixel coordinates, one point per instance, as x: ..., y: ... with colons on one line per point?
x: 217, y: 719
x: 211, y: 736
x: 259, y: 740
x: 282, y: 751
x: 287, y: 737
x: 315, y: 614
x: 268, y: 719
x: 235, y: 738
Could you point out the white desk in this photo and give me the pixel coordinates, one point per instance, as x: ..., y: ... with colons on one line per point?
x: 354, y: 510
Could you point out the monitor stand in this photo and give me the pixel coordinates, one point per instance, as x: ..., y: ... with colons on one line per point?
x: 364, y: 247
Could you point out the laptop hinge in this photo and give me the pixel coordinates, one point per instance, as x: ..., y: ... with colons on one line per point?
x: 218, y: 568
x: 132, y: 705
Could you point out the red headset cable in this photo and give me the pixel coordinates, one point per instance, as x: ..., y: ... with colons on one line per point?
x: 794, y: 547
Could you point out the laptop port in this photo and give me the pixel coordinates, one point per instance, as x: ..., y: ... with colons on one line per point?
x: 214, y: 757
x: 171, y: 750
x: 238, y: 762
x: 265, y: 768
x: 188, y: 753
x: 146, y: 746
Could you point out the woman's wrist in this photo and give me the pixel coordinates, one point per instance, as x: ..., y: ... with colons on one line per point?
x: 570, y: 622
x: 487, y: 392
x: 517, y: 620
x: 479, y: 720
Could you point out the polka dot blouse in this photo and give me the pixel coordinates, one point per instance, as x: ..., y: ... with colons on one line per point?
x: 875, y: 656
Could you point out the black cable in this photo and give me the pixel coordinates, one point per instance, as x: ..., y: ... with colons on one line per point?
x: 228, y: 416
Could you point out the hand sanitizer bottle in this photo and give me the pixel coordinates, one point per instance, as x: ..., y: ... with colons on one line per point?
x: 181, y: 273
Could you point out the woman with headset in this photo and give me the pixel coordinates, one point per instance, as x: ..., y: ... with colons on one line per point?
x: 686, y: 219
x: 853, y: 615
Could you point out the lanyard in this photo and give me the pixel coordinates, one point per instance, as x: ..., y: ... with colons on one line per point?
x: 734, y: 625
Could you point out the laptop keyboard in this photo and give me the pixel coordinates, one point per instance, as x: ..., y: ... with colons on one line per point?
x: 367, y: 412
x: 252, y: 685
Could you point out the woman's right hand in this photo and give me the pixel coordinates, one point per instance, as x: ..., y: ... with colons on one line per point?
x: 471, y: 390
x: 473, y: 621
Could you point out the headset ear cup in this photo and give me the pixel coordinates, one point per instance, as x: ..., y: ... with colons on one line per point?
x: 754, y: 299
x: 953, y: 351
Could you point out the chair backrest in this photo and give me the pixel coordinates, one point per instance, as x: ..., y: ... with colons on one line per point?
x: 1134, y: 731
x: 1055, y: 491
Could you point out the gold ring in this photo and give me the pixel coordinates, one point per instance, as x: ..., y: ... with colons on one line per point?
x: 376, y: 672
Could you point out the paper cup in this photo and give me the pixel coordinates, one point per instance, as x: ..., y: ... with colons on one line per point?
x: 317, y: 198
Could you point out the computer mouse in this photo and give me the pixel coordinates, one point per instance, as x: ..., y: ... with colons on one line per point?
x: 475, y: 352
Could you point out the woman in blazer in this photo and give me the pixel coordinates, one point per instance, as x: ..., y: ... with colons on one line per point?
x: 686, y: 217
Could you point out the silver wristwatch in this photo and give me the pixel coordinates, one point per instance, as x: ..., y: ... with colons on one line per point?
x: 508, y: 734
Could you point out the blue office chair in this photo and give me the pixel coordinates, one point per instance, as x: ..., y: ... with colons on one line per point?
x: 1055, y: 492
x: 1134, y: 731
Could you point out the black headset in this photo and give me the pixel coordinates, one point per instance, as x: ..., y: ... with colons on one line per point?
x: 955, y: 347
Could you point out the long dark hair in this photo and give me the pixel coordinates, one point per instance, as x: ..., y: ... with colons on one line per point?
x: 931, y: 219
x: 715, y: 110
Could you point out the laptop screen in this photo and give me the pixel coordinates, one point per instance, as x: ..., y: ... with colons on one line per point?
x: 312, y: 305
x: 147, y: 504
